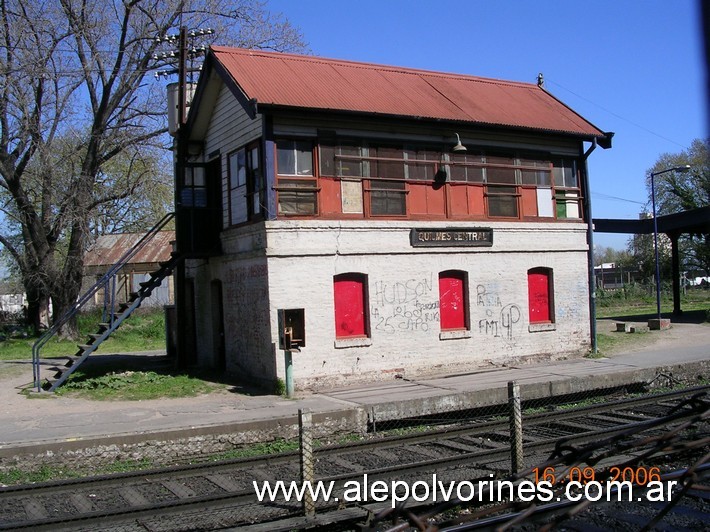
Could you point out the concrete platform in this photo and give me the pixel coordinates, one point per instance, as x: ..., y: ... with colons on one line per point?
x: 62, y: 423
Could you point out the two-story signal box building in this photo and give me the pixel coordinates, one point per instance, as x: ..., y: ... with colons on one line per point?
x: 401, y: 222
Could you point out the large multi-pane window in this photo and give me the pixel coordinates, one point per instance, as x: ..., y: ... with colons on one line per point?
x: 567, y: 194
x: 297, y: 190
x: 468, y: 167
x: 537, y: 174
x: 373, y: 179
x: 245, y: 180
x: 237, y: 184
x: 387, y: 170
x: 256, y: 186
x: 194, y: 189
x: 379, y: 173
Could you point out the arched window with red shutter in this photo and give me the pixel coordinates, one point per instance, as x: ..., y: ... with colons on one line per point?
x: 540, y: 295
x: 351, y: 305
x: 453, y: 300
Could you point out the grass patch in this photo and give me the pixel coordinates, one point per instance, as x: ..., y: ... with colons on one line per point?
x: 14, y: 477
x: 144, y: 330
x: 258, y: 449
x: 135, y: 386
x: 611, y: 341
x: 43, y: 474
x: 633, y: 301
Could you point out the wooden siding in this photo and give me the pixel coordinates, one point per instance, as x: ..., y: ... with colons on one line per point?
x: 384, y: 129
x: 230, y: 128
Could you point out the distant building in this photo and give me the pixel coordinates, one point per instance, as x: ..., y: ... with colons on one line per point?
x: 109, y: 248
x: 13, y: 303
x: 611, y: 276
x: 388, y: 221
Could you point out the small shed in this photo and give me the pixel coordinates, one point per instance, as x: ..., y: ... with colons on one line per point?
x: 108, y: 249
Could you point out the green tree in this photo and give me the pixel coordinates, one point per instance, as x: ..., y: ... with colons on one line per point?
x: 682, y: 191
x: 81, y: 120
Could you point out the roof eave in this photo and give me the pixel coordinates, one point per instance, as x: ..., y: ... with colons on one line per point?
x: 603, y: 139
x: 205, y: 97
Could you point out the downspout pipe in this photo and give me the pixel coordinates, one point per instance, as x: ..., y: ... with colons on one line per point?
x: 587, y: 206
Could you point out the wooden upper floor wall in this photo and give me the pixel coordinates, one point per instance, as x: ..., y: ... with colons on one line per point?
x: 281, y: 161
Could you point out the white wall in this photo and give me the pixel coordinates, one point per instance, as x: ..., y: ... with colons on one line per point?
x: 286, y: 264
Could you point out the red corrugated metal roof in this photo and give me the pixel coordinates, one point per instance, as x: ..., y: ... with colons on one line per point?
x: 109, y: 248
x: 327, y: 84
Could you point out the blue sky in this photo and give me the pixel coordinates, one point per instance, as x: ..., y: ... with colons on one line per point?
x: 632, y: 67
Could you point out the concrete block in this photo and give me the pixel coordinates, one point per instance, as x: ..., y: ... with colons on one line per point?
x: 656, y: 324
x: 621, y: 327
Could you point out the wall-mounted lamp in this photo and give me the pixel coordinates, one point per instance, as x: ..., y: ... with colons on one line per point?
x: 458, y: 147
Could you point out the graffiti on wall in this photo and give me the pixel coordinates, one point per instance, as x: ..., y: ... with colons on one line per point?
x: 412, y: 306
x: 405, y: 306
x: 498, y: 321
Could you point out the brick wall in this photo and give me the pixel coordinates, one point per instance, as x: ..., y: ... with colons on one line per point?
x: 293, y: 267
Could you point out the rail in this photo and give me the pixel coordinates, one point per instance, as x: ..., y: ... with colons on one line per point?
x: 108, y: 283
x: 222, y: 493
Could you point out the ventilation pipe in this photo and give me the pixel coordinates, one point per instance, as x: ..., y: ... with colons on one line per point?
x: 587, y: 206
x: 173, y: 102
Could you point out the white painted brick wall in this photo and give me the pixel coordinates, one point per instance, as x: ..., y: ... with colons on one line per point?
x: 302, y: 258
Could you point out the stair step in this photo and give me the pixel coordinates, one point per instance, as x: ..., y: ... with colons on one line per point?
x: 119, y: 311
x: 60, y: 371
x: 71, y: 361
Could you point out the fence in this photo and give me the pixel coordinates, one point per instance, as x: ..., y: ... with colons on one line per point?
x: 655, y: 430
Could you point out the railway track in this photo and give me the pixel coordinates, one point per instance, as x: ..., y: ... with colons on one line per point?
x: 221, y: 494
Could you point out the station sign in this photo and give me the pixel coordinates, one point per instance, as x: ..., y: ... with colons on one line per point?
x: 452, y: 237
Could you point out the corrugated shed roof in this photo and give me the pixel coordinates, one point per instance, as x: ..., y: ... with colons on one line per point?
x: 109, y: 248
x: 287, y: 80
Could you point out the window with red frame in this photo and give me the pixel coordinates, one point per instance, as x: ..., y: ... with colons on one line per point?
x: 540, y: 300
x: 351, y: 303
x: 453, y: 305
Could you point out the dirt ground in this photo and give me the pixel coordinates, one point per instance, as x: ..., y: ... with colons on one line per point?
x: 690, y: 330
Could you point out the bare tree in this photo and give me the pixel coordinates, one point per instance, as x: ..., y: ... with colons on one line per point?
x: 80, y: 119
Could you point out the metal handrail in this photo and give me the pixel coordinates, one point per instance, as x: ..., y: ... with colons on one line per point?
x: 102, y: 283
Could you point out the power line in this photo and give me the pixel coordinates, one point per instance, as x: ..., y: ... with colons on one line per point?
x: 607, y: 196
x: 618, y: 115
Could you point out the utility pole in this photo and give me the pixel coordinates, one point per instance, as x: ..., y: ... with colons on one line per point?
x: 183, y: 214
x: 180, y: 277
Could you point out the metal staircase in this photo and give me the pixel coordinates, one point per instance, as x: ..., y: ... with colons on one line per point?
x: 48, y: 377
